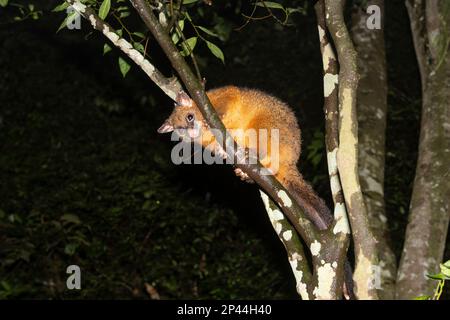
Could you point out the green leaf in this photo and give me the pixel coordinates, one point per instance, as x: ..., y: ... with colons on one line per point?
x: 70, y: 218
x: 124, y: 66
x: 181, y: 24
x: 189, y: 1
x: 422, y: 298
x: 139, y: 47
x: 297, y: 10
x: 176, y: 34
x: 270, y: 4
x: 438, y: 276
x: 215, y: 50
x: 445, y: 269
x: 106, y: 48
x: 122, y: 8
x: 189, y: 45
x: 4, y: 3
x: 124, y: 14
x: 6, y: 285
x: 175, y: 37
x: 70, y: 249
x: 207, y: 31
x: 104, y: 9
x: 67, y: 20
x: 139, y: 34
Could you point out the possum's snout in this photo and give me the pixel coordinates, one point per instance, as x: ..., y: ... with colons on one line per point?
x: 166, y: 127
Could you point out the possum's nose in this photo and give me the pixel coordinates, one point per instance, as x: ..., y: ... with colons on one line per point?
x: 166, y: 127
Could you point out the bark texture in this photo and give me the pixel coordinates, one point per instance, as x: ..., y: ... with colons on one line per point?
x: 340, y: 228
x: 366, y: 256
x: 372, y: 107
x: 430, y: 203
x: 293, y: 245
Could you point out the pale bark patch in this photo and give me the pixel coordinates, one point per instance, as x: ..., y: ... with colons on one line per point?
x: 315, y: 248
x: 363, y: 277
x: 340, y: 216
x: 79, y: 7
x: 329, y: 83
x: 287, y: 235
x: 325, y: 275
x: 301, y: 286
x: 287, y: 202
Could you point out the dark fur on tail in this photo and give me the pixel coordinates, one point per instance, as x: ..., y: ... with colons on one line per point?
x: 313, y: 206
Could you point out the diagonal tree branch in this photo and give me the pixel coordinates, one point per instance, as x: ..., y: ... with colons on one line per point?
x: 170, y: 86
x: 294, y: 248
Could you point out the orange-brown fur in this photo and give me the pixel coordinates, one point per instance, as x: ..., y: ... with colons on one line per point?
x: 241, y: 108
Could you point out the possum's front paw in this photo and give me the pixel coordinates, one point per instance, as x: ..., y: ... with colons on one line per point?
x: 220, y: 151
x: 244, y: 177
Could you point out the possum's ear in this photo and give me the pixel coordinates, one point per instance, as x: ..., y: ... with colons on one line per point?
x: 183, y: 99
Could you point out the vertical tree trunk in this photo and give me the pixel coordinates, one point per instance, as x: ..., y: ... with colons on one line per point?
x: 372, y: 107
x: 430, y: 203
x: 366, y: 255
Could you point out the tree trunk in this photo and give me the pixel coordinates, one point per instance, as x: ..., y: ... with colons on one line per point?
x: 372, y: 107
x: 366, y: 255
x: 430, y: 204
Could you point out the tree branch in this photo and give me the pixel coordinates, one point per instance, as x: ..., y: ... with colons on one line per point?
x: 339, y: 230
x: 170, y: 86
x: 294, y: 248
x: 414, y: 8
x: 347, y: 156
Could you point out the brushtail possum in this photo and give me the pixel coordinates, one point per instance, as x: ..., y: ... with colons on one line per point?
x: 242, y: 108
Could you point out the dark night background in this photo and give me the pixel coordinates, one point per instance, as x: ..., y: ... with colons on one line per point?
x: 85, y: 179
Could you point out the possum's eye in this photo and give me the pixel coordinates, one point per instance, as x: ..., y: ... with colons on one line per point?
x: 190, y: 117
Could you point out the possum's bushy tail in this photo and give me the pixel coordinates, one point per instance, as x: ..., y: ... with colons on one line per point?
x: 313, y: 206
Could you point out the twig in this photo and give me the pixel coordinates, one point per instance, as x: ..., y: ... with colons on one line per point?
x: 170, y: 86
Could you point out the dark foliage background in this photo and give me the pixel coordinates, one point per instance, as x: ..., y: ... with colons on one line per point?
x: 85, y: 179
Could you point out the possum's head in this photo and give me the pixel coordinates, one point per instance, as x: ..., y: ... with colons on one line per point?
x: 185, y: 118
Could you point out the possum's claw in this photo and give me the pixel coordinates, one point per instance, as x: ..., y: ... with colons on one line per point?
x: 220, y: 151
x: 244, y: 177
